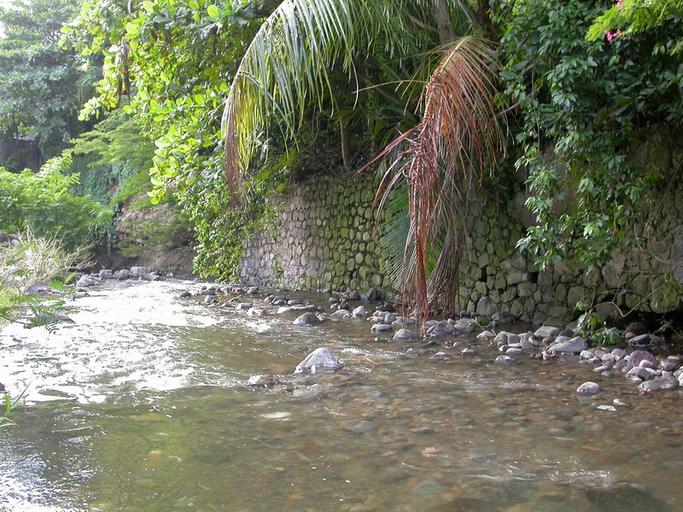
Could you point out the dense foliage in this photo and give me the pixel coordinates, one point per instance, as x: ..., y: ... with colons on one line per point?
x: 585, y: 102
x: 41, y: 86
x: 580, y: 82
x: 45, y: 204
x: 176, y: 57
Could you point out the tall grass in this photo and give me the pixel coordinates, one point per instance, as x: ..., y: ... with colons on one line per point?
x: 29, y: 262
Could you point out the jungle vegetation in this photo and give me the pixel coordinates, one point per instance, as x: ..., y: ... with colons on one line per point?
x: 230, y: 99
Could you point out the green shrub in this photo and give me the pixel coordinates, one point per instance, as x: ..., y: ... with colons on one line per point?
x: 46, y: 204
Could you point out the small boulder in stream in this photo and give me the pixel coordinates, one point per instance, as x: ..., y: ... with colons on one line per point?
x: 320, y: 360
x: 405, y: 335
x: 307, y: 319
x: 588, y: 389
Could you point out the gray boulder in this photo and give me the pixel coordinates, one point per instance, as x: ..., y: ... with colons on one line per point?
x: 405, y: 335
x: 142, y: 272
x: 340, y: 314
x: 662, y: 384
x: 122, y: 274
x: 573, y: 345
x: 588, y: 389
x: 637, y: 356
x: 85, y: 282
x: 379, y: 327
x: 547, y: 331
x: 320, y: 360
x: 307, y: 319
x: 105, y: 273
x: 360, y: 312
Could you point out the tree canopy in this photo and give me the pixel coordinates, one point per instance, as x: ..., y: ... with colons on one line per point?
x: 42, y: 87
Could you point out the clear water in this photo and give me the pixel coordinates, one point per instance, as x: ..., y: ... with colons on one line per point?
x: 141, y: 405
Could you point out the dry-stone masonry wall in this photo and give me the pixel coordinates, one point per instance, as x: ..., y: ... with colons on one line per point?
x: 648, y: 278
x: 324, y: 237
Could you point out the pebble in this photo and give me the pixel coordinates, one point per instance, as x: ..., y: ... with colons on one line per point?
x: 609, y: 408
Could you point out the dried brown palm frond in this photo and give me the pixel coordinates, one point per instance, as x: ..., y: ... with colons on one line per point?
x: 441, y: 160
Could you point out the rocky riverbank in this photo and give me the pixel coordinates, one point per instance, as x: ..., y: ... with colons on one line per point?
x: 639, y: 358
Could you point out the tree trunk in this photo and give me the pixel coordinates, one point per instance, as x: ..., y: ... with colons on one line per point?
x: 443, y: 22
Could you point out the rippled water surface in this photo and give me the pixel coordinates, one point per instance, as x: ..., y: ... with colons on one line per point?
x: 142, y: 405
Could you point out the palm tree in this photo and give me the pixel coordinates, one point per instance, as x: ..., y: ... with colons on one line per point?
x: 287, y: 68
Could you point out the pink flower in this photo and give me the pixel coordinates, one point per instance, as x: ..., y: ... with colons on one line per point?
x: 611, y: 36
x: 620, y: 4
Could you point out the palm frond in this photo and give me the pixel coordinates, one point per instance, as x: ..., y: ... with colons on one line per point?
x: 441, y: 160
x: 287, y: 66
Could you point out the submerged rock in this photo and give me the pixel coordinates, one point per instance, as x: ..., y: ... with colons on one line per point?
x: 661, y: 384
x: 320, y: 360
x: 262, y: 381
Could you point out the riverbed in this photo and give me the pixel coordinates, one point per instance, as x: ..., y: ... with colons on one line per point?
x: 143, y: 404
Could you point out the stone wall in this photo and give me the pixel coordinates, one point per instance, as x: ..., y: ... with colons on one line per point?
x: 323, y: 237
x: 647, y: 278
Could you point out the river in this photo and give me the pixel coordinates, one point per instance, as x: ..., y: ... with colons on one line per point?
x: 141, y: 404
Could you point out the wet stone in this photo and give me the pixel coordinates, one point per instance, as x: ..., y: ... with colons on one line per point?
x: 320, y: 360
x: 588, y: 389
x: 361, y: 427
x: 381, y: 328
x: 405, y: 335
x: 661, y: 384
x: 360, y: 312
x: 547, y: 331
x: 671, y: 363
x: 573, y: 345
x: 307, y: 319
x: 340, y: 314
x: 640, y: 355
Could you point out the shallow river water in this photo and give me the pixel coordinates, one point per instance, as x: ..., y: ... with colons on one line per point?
x: 142, y: 405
